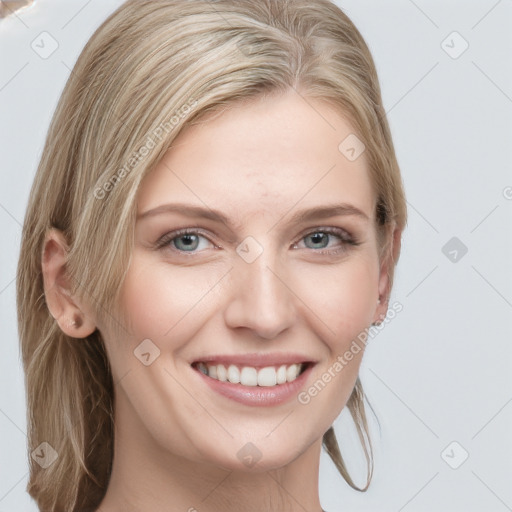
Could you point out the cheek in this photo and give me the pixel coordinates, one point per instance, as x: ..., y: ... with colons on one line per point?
x: 343, y: 297
x: 157, y: 296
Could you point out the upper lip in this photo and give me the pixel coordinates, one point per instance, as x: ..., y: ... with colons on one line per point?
x: 256, y: 359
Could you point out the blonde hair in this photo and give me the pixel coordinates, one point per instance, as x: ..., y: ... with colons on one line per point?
x: 152, y: 68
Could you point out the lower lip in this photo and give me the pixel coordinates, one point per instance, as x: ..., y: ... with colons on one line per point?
x: 261, y: 396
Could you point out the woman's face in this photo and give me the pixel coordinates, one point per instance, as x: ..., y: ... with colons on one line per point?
x: 263, y: 271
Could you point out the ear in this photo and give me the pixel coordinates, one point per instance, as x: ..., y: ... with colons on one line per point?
x: 389, y: 259
x: 74, y: 317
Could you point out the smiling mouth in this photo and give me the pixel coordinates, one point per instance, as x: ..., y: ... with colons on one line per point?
x: 266, y: 376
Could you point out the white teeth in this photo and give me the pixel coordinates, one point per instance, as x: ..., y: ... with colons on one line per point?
x: 222, y: 373
x: 281, y: 374
x: 212, y: 372
x: 291, y: 372
x: 249, y: 376
x: 233, y: 374
x: 267, y: 376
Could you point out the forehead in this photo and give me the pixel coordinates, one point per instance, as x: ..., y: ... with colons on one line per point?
x: 263, y: 157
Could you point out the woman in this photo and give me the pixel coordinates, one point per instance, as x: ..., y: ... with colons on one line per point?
x: 212, y: 229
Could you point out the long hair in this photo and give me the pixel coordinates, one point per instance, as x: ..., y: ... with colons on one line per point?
x: 150, y: 70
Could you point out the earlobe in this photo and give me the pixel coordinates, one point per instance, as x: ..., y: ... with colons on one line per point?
x: 67, y: 310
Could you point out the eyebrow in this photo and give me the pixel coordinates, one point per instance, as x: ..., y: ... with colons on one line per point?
x: 309, y: 214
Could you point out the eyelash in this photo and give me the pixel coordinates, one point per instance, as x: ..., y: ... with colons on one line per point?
x: 164, y: 242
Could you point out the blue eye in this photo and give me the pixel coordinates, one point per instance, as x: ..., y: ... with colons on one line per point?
x: 321, y: 238
x: 318, y: 238
x: 187, y: 241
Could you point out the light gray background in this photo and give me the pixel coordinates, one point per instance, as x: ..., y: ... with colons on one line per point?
x: 440, y: 371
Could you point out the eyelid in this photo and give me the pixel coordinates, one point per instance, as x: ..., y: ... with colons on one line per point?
x: 333, y: 230
x: 166, y: 239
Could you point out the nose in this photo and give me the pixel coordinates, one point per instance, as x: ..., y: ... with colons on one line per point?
x: 261, y: 299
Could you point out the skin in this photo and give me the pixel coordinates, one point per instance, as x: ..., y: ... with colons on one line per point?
x: 176, y: 441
